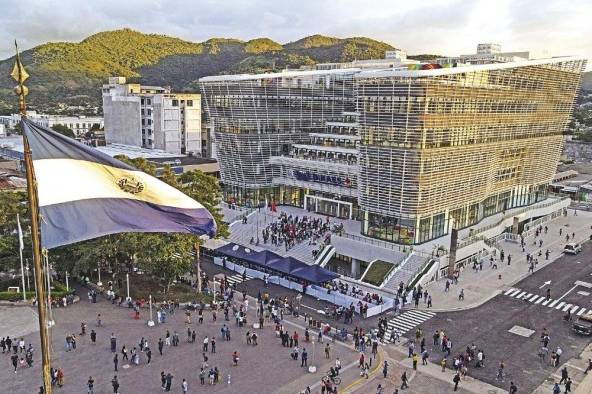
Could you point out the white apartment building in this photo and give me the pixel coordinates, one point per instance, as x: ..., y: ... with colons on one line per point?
x: 80, y: 125
x: 152, y: 117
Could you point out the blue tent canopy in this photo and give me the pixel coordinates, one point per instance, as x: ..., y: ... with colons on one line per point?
x: 273, y: 261
x: 314, y: 274
x: 237, y: 251
x: 287, y: 265
x: 265, y: 257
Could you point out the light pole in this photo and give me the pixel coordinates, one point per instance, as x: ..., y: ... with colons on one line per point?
x: 313, y: 368
x: 67, y: 285
x: 99, y: 283
x: 27, y: 270
x: 127, y: 282
x: 150, y: 322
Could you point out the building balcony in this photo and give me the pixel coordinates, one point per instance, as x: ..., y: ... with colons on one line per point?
x: 342, y: 124
x: 330, y: 149
x: 317, y: 186
x: 315, y: 164
x: 334, y: 136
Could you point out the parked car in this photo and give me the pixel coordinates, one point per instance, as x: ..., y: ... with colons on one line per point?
x: 572, y: 248
x: 583, y: 325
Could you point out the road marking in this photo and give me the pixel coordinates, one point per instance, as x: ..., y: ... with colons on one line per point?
x: 583, y: 293
x: 560, y: 305
x: 567, y: 292
x: 522, y: 331
x: 583, y: 284
x: 566, y: 307
x: 546, y: 302
x: 534, y: 297
x: 511, y: 292
x: 574, y: 309
x: 540, y: 300
x: 545, y: 284
x: 581, y: 312
x: 520, y: 295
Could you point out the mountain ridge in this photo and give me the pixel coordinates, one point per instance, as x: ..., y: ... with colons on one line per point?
x: 71, y: 73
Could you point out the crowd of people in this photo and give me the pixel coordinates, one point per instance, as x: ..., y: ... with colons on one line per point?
x: 289, y: 230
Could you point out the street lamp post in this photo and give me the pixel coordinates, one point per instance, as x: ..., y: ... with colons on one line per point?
x: 67, y: 285
x: 150, y: 322
x: 99, y: 283
x: 313, y: 368
x: 127, y: 282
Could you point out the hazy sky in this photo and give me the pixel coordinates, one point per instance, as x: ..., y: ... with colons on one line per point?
x: 563, y: 27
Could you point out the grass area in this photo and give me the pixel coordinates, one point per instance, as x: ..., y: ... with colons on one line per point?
x: 58, y: 291
x: 378, y: 271
x: 142, y: 286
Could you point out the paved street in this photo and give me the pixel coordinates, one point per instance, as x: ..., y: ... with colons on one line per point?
x: 488, y: 325
x: 251, y: 376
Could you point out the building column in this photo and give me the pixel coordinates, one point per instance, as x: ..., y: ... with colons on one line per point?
x: 515, y: 225
x: 452, y: 252
x: 355, y: 268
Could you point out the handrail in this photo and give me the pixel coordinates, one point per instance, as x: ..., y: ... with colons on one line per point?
x: 383, y: 244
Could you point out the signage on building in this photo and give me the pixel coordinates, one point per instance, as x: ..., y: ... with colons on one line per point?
x: 308, y: 176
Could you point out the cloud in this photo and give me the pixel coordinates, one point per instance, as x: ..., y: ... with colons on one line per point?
x: 430, y: 26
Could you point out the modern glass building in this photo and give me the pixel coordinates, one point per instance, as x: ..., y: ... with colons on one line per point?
x: 410, y: 151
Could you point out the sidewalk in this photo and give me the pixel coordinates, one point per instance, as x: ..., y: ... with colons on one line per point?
x: 481, y: 286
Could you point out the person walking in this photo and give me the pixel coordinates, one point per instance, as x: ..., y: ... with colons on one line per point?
x: 568, y: 385
x: 90, y: 384
x: 93, y: 337
x: 385, y: 369
x: 456, y: 380
x: 404, y: 384
x: 113, y: 341
x: 169, y: 381
x: 513, y: 388
x: 589, y: 367
x: 115, y: 385
x: 115, y: 361
x: 184, y: 386
x: 304, y: 358
x: 556, y: 388
x: 160, y: 345
x: 564, y: 375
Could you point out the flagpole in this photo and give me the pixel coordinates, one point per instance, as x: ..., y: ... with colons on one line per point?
x: 20, y: 235
x: 35, y: 232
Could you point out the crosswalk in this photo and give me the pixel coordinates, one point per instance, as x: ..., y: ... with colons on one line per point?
x: 235, y: 279
x: 550, y: 303
x: 407, y: 321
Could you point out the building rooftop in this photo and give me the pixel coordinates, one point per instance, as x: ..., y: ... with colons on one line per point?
x: 281, y: 74
x: 134, y: 152
x: 462, y: 68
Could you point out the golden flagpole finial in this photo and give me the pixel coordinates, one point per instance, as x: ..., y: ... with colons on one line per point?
x: 20, y: 75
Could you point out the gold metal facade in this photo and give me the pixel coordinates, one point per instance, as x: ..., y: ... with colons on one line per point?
x: 461, y: 145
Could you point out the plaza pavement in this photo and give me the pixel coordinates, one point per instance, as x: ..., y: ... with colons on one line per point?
x: 262, y: 369
x: 481, y: 286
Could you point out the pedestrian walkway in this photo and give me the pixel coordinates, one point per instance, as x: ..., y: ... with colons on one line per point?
x: 550, y: 303
x: 406, y: 322
x: 480, y: 286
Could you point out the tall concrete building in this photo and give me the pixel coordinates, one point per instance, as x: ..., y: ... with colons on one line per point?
x: 152, y: 117
x: 411, y: 150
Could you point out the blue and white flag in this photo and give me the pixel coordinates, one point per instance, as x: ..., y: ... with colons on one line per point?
x: 84, y: 194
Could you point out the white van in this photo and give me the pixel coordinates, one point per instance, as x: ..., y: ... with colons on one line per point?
x: 572, y: 248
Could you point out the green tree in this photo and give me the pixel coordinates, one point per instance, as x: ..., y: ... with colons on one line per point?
x: 64, y: 130
x: 11, y: 204
x: 206, y: 190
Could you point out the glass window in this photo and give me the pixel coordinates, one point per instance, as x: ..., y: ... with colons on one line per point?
x: 175, y: 103
x: 190, y: 103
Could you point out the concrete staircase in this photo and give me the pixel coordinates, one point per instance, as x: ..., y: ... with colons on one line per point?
x: 405, y: 271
